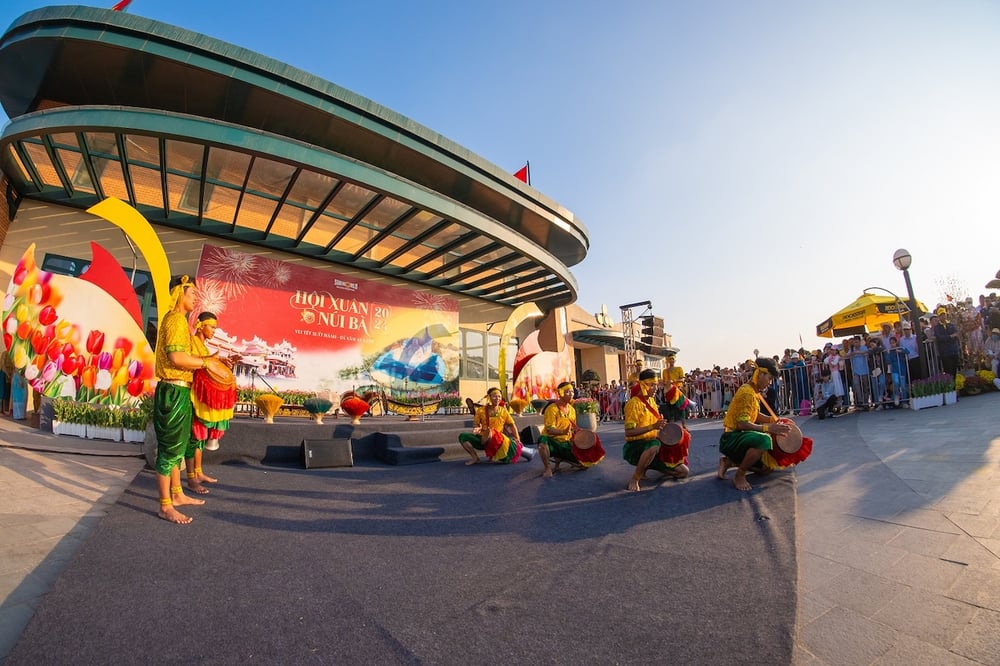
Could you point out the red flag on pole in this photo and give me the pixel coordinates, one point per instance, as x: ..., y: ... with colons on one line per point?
x: 120, y: 6
x: 524, y: 173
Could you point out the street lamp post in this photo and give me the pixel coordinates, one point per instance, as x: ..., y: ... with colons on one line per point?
x: 901, y: 259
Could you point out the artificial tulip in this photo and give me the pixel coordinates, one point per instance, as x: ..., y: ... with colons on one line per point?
x: 31, y: 371
x: 39, y: 342
x: 20, y: 357
x: 70, y: 364
x: 49, y: 372
x: 54, y: 350
x: 47, y: 315
x: 104, y: 361
x: 103, y: 381
x: 124, y: 344
x: 88, y: 377
x: 95, y: 342
x: 8, y: 340
x: 117, y: 359
x: 24, y: 330
x: 136, y: 387
x: 134, y: 368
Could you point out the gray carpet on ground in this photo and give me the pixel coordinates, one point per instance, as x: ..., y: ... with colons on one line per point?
x: 435, y: 564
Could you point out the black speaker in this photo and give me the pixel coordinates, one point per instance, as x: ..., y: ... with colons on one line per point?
x: 327, y: 453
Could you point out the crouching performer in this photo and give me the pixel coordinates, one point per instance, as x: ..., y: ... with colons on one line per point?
x: 643, y: 422
x: 562, y: 440
x: 748, y: 441
x: 495, y: 433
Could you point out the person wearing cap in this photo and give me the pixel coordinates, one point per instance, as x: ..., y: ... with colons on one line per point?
x: 908, y: 342
x: 176, y: 361
x: 946, y: 336
x: 495, y: 433
x: 747, y: 432
x: 642, y: 426
x: 557, y: 441
x: 992, y: 349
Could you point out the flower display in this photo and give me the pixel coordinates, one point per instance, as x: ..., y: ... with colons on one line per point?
x: 44, y: 319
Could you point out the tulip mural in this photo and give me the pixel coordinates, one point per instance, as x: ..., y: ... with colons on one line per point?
x: 72, y: 337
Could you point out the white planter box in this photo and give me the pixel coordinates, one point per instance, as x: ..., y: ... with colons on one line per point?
x: 133, y: 435
x: 951, y: 397
x: 64, y: 428
x: 102, y: 432
x: 916, y: 404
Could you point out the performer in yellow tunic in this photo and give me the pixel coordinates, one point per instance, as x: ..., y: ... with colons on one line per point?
x: 673, y: 375
x: 642, y: 425
x: 172, y: 411
x: 747, y: 432
x: 556, y: 443
x: 495, y: 433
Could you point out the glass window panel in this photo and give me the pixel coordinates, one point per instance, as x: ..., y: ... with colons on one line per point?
x: 43, y: 165
x: 142, y: 149
x: 324, y: 230
x: 146, y: 183
x: 386, y: 212
x: 101, y: 145
x: 446, y: 235
x: 183, y: 193
x: 184, y: 158
x: 350, y: 200
x: 25, y: 176
x: 311, y: 188
x: 354, y: 240
x: 110, y: 174
x: 493, y: 355
x: 255, y: 212
x: 269, y: 177
x: 417, y: 224
x: 227, y: 166
x: 220, y: 204
x: 65, y: 140
x: 289, y: 222
x: 77, y: 171
x: 384, y: 248
x: 473, y: 363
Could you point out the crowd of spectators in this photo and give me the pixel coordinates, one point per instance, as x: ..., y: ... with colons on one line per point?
x: 871, y: 371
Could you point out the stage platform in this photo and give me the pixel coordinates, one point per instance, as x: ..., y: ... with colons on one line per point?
x: 378, y: 439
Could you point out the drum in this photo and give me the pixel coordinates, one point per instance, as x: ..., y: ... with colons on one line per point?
x: 215, y: 384
x: 587, y: 447
x: 670, y: 434
x: 791, y: 442
x: 790, y: 449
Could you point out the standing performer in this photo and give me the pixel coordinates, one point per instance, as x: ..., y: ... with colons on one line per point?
x: 642, y: 425
x: 747, y: 433
x: 560, y: 429
x: 495, y: 433
x: 673, y: 375
x: 172, y: 410
x: 213, y: 395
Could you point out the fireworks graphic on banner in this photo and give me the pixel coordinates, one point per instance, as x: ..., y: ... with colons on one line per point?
x: 211, y: 297
x: 428, y: 301
x: 273, y: 273
x: 231, y: 269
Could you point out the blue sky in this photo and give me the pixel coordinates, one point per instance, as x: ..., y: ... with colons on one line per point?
x: 749, y: 167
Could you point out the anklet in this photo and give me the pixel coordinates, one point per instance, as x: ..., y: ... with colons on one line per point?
x: 166, y: 501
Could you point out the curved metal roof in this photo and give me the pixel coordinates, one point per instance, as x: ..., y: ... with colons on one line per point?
x: 205, y: 136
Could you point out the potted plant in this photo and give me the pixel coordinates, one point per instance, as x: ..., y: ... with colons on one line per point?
x: 134, y: 420
x: 105, y: 423
x: 586, y: 413
x: 925, y: 393
x: 947, y: 385
x: 69, y: 417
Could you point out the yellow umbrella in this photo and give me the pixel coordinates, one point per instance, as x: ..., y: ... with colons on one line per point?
x: 867, y: 313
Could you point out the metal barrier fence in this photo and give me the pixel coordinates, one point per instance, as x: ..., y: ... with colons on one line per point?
x: 865, y: 380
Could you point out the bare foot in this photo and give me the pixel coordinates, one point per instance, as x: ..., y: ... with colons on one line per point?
x: 473, y: 461
x: 205, y: 478
x: 547, y: 474
x: 172, y: 515
x: 724, y: 465
x: 195, y: 486
x: 181, y: 499
x: 633, y: 484
x: 740, y: 480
